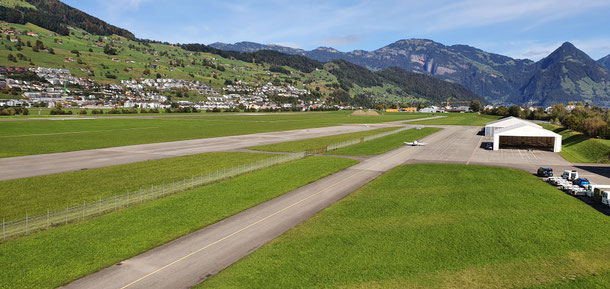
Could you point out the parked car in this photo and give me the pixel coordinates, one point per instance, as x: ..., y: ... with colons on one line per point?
x: 489, y: 146
x: 591, y: 189
x: 545, y: 172
x: 606, y: 198
x: 581, y: 182
x: 569, y: 175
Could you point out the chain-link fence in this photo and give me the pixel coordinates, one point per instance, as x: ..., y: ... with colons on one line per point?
x: 96, y: 208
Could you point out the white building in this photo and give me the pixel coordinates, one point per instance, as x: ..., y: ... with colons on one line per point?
x: 515, y: 132
x: 493, y: 126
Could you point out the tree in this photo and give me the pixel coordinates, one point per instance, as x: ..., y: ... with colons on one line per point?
x: 515, y: 111
x: 592, y: 126
x: 558, y: 111
x: 75, y: 52
x: 51, y: 51
x: 109, y: 50
x: 11, y: 57
x: 475, y: 106
x: 570, y: 122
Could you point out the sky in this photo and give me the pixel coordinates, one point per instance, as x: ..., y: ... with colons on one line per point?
x: 518, y: 28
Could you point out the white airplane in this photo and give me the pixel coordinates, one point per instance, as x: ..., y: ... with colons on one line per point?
x: 415, y: 144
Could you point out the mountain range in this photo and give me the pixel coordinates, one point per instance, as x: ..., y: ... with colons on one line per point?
x: 567, y: 74
x: 407, y: 69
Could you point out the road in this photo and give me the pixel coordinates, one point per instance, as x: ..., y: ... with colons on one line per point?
x: 191, y: 259
x: 44, y: 164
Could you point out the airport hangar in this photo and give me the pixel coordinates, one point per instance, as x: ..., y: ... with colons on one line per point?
x: 513, y: 132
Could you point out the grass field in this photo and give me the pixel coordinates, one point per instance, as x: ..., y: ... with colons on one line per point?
x: 319, y: 142
x: 37, y: 194
x: 55, y: 257
x: 385, y: 144
x: 436, y: 226
x: 49, y: 136
x: 471, y: 119
x: 579, y: 148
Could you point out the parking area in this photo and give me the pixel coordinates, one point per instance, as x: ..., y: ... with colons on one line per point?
x: 466, y: 145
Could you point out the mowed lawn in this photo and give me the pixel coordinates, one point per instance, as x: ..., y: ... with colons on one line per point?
x: 436, y: 226
x: 319, y: 142
x: 470, y: 119
x: 385, y: 144
x: 579, y: 148
x: 49, y: 259
x: 20, y: 138
x: 36, y: 195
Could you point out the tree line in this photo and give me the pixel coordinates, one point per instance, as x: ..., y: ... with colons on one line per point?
x: 588, y: 119
x: 56, y: 16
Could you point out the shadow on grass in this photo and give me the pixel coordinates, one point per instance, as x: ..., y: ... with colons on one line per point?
x: 575, y: 139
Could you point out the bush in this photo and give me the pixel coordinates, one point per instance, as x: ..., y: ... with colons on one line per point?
x: 82, y: 111
x: 59, y: 111
x: 97, y: 111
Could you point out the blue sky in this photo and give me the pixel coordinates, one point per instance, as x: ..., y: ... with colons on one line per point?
x: 517, y: 28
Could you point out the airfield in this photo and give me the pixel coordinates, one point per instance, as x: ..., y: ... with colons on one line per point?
x: 187, y: 261
x: 199, y: 255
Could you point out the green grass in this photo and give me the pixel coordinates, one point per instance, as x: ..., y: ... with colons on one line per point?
x: 596, y: 281
x: 579, y: 148
x: 56, y: 257
x: 469, y: 119
x: 20, y: 3
x: 385, y: 144
x: 37, y: 194
x: 435, y: 226
x: 49, y: 136
x: 318, y: 143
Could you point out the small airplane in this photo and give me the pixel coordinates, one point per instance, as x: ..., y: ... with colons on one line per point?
x: 415, y: 144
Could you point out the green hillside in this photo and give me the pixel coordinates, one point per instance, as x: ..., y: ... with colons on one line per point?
x: 110, y: 59
x: 437, y: 226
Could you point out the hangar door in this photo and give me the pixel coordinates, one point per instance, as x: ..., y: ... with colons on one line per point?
x: 528, y: 142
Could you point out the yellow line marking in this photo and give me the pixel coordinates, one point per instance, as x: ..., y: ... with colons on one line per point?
x: 238, y: 231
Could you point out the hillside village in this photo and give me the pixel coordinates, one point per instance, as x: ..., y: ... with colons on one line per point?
x: 143, y: 93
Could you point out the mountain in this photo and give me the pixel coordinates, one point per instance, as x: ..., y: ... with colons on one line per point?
x: 567, y: 74
x: 605, y: 61
x: 493, y: 76
x: 499, y: 79
x: 121, y: 56
x: 246, y: 46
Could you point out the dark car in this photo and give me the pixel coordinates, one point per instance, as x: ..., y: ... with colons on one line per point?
x: 489, y: 146
x: 545, y: 172
x: 581, y: 182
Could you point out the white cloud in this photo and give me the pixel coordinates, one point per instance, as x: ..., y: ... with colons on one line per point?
x: 595, y: 48
x: 477, y: 13
x: 341, y: 40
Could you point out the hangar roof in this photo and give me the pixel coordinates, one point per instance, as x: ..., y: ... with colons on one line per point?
x: 524, y: 129
x: 510, y: 121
